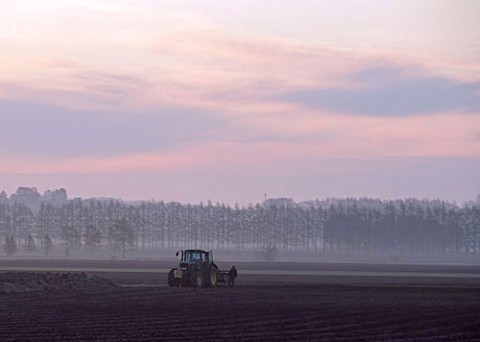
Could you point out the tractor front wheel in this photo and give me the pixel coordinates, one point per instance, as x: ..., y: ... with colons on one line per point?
x: 197, y: 279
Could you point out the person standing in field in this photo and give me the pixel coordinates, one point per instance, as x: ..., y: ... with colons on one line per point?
x: 231, y: 276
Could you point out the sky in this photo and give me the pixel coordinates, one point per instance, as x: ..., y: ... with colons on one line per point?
x: 232, y: 101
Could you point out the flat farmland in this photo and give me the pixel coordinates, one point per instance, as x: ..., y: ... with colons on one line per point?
x: 264, y: 306
x: 153, y: 272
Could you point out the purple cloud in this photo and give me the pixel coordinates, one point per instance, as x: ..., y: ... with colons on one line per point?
x: 390, y: 93
x: 49, y: 131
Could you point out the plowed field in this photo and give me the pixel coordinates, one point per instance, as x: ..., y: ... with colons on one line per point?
x: 272, y: 302
x: 244, y: 313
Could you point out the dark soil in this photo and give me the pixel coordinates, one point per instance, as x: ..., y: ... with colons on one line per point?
x: 51, y: 281
x: 243, y: 313
x: 56, y: 306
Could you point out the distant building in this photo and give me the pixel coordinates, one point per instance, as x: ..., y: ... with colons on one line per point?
x: 31, y: 198
x: 56, y: 197
x: 3, y: 197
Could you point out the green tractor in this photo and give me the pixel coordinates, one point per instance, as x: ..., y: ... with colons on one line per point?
x: 196, y: 269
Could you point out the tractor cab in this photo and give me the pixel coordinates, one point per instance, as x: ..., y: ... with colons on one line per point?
x: 194, y: 256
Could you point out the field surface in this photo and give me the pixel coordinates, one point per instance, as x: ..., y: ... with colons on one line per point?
x: 153, y: 272
x: 263, y: 305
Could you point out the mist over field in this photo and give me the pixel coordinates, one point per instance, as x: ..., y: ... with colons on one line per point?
x: 349, y: 229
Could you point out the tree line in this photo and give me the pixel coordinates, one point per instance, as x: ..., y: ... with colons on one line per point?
x: 350, y: 225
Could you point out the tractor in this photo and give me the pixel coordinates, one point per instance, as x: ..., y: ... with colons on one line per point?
x: 196, y: 269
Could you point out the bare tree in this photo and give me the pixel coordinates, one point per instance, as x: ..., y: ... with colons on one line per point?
x: 10, y: 246
x: 122, y: 235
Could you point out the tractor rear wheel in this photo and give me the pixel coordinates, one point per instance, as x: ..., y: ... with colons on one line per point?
x: 171, y: 279
x: 212, y: 278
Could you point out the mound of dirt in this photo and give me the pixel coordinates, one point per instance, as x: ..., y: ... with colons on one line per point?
x: 11, y: 282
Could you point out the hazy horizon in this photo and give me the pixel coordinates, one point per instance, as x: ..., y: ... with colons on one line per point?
x: 70, y: 196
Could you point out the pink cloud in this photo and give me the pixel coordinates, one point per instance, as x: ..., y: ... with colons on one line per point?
x: 194, y: 66
x: 325, y: 136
